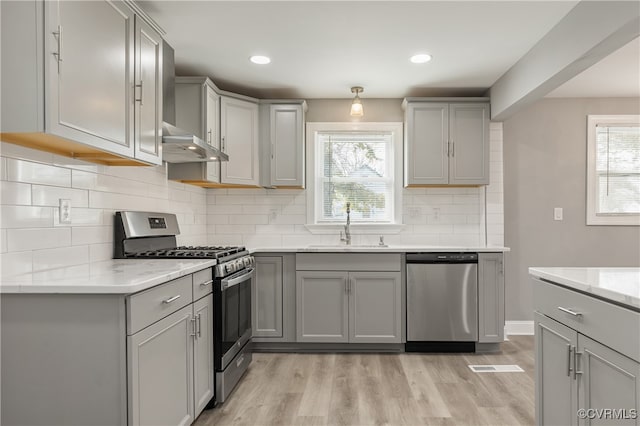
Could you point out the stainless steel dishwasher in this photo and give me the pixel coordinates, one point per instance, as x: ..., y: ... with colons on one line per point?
x: 442, y: 302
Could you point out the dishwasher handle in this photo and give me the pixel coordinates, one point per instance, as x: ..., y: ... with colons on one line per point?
x: 442, y: 257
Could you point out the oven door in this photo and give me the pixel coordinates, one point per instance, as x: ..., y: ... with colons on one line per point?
x: 232, y: 316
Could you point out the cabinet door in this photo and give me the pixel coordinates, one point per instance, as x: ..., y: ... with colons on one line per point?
x: 239, y: 130
x: 609, y: 380
x: 203, y: 353
x: 556, y: 390
x: 322, y: 308
x: 90, y: 74
x: 490, y: 297
x: 287, y: 145
x: 427, y: 127
x: 267, y: 297
x: 212, y: 135
x: 160, y: 371
x: 375, y: 307
x: 148, y: 96
x: 469, y: 139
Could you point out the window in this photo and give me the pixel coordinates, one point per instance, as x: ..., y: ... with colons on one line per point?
x: 613, y: 175
x: 357, y: 163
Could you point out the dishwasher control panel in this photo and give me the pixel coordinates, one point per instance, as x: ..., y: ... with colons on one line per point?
x: 442, y: 257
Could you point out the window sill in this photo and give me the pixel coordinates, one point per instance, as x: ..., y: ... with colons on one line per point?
x: 364, y: 229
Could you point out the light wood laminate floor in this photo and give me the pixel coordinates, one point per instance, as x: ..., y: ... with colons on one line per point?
x: 378, y: 389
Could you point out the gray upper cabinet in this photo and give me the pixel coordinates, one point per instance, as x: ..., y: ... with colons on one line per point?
x: 148, y: 99
x: 490, y: 297
x: 239, y: 140
x: 197, y: 111
x: 446, y: 143
x: 282, y: 143
x: 86, y: 83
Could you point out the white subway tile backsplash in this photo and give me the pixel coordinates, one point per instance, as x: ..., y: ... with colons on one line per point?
x: 3, y: 168
x: 275, y: 229
x: 37, y: 238
x: 100, y: 252
x: 81, y: 217
x: 9, y: 150
x: 248, y: 219
x: 235, y: 199
x: 15, y: 193
x: 26, y: 217
x: 60, y: 257
x: 43, y: 195
x: 20, y: 262
x: 83, y: 235
x: 3, y: 240
x: 30, y: 172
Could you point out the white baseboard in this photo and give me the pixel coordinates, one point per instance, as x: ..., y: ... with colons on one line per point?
x: 518, y: 328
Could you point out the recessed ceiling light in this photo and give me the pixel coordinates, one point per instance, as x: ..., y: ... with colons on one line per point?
x: 420, y: 58
x: 213, y: 158
x: 260, y: 60
x: 192, y: 147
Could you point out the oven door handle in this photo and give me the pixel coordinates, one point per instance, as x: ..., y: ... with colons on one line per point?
x: 231, y: 281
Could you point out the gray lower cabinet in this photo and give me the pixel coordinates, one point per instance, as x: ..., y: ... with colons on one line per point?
x: 170, y: 366
x: 490, y: 297
x: 556, y: 392
x: 355, y: 307
x: 322, y: 308
x: 161, y: 372
x: 273, y: 298
x: 203, y: 384
x: 267, y: 300
x: 108, y: 359
x: 587, y: 359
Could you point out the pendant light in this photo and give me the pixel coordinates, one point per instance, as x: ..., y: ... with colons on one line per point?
x: 356, y: 105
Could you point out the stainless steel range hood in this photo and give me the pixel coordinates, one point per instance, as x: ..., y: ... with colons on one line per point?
x: 179, y: 146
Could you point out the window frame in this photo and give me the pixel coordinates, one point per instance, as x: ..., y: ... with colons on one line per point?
x: 593, y: 218
x: 317, y: 226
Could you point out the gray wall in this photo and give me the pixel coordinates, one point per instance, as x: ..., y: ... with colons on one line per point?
x: 545, y: 151
x: 337, y: 110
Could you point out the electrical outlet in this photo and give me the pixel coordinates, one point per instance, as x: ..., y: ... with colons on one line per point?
x: 273, y: 214
x: 415, y: 212
x: 557, y: 213
x: 436, y: 213
x: 65, y: 211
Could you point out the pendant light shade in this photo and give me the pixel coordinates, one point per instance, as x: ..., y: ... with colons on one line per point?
x: 356, y: 105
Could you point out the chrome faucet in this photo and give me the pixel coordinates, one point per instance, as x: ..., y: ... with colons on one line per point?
x: 347, y: 228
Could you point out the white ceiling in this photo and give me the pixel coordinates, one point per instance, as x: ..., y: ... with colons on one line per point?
x: 319, y: 49
x: 617, y: 75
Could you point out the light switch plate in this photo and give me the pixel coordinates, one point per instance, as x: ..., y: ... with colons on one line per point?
x: 557, y: 213
x: 65, y: 211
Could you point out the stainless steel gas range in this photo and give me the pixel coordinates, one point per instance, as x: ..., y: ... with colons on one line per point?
x: 140, y: 235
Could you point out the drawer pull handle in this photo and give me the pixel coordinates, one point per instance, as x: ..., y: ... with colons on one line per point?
x: 240, y: 361
x: 171, y: 299
x: 206, y: 283
x: 570, y: 312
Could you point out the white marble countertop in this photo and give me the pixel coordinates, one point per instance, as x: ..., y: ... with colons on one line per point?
x: 118, y: 276
x: 620, y: 285
x: 375, y: 249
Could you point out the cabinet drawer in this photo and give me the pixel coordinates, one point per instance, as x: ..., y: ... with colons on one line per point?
x: 348, y: 262
x: 149, y: 306
x: 612, y: 325
x: 202, y: 283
